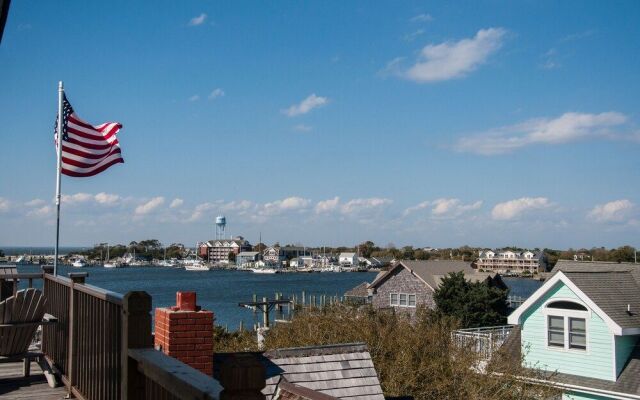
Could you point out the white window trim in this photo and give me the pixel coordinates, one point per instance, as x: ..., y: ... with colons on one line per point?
x: 566, y: 314
x: 405, y: 305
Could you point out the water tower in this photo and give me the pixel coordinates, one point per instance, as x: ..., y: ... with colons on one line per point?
x: 221, y: 222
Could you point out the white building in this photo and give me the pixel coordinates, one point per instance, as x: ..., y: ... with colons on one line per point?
x: 509, y: 261
x: 348, y: 259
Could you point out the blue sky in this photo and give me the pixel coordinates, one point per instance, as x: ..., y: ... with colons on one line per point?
x: 421, y: 123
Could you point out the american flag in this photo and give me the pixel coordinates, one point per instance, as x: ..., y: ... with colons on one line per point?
x: 87, y: 150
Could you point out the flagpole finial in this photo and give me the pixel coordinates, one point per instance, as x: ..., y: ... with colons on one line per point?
x: 60, y: 86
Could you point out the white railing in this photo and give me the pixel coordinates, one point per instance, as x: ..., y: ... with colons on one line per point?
x: 484, y: 341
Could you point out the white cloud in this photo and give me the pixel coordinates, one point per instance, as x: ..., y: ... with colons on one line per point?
x: 305, y: 105
x: 452, y: 207
x: 289, y: 204
x: 568, y: 127
x: 410, y: 37
x: 444, y: 208
x: 176, y: 203
x: 195, y: 97
x: 422, y: 18
x: 514, y: 208
x: 149, y: 206
x: 217, y: 92
x: 239, y: 206
x: 302, y: 128
x: 107, y: 199
x: 31, y: 203
x: 76, y: 198
x: 40, y: 212
x: 4, y: 205
x: 359, y: 205
x: 327, y: 205
x: 613, y: 211
x: 418, y: 207
x: 200, y: 209
x: 449, y: 60
x: 199, y: 20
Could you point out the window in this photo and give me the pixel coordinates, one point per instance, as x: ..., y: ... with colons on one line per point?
x: 577, y: 333
x: 567, y: 305
x: 556, y: 331
x: 402, y: 300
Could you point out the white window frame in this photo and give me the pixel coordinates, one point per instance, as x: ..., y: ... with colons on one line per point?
x: 566, y: 314
x: 398, y: 301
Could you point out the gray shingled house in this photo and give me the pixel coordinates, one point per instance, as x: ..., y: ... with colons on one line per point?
x: 409, y: 284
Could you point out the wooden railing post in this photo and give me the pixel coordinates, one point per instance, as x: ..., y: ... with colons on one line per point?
x: 243, y: 376
x: 136, y: 334
x: 76, y: 278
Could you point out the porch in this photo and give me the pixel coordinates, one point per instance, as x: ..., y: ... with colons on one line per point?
x: 102, y: 348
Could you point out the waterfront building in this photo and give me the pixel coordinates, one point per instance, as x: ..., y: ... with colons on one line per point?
x: 409, y: 284
x: 277, y: 255
x: 218, y: 250
x: 582, y: 327
x: 247, y: 258
x: 508, y: 261
x: 348, y: 259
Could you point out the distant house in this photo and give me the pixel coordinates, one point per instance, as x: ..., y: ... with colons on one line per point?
x: 359, y: 294
x: 348, y: 259
x: 276, y: 255
x: 583, y: 327
x: 382, y: 262
x: 409, y: 284
x: 247, y: 258
x: 508, y: 261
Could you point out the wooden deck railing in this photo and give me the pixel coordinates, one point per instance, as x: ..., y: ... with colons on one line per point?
x: 483, y: 341
x: 102, y: 346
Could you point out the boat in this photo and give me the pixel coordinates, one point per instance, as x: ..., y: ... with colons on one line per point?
x: 79, y: 263
x: 22, y: 260
x: 196, y: 265
x: 111, y: 264
x: 264, y: 270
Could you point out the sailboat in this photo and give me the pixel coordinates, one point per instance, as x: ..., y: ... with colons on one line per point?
x: 109, y: 264
x: 195, y: 264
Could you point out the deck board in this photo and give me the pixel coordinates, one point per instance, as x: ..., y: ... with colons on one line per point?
x: 13, y: 386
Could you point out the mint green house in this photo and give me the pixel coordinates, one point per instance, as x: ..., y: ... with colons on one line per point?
x: 583, y: 325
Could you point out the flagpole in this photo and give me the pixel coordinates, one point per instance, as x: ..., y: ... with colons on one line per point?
x: 58, y: 170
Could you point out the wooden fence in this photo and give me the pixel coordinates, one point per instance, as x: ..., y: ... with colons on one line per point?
x: 102, y: 346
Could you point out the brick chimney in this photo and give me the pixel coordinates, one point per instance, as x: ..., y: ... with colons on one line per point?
x: 185, y: 332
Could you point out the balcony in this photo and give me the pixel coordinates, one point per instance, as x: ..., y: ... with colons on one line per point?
x: 483, y: 341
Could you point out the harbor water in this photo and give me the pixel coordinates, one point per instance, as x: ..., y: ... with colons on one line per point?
x: 221, y: 290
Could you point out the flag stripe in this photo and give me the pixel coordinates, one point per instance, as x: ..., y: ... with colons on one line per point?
x: 95, y: 171
x: 87, y: 150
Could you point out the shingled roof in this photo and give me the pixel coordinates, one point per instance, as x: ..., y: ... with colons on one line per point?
x: 432, y: 272
x: 612, y: 286
x: 342, y: 371
x: 358, y: 291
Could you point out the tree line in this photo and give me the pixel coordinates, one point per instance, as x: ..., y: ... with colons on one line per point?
x: 145, y: 249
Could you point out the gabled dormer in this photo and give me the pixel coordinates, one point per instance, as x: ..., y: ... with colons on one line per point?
x: 584, y: 325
